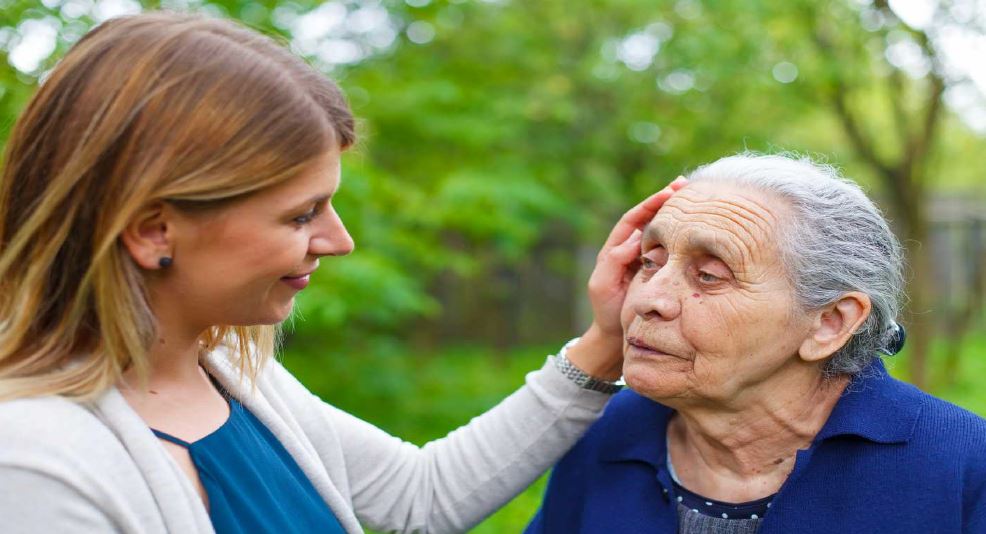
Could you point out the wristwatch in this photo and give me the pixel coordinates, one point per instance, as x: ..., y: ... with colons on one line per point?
x: 580, y: 377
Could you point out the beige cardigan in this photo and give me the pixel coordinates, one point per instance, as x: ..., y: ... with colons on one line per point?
x: 66, y: 467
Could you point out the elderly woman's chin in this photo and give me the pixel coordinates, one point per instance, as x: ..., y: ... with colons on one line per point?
x: 657, y: 377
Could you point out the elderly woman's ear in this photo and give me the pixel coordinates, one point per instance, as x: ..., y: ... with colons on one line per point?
x: 833, y: 325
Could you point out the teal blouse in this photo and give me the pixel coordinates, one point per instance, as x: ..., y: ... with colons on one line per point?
x: 253, y: 484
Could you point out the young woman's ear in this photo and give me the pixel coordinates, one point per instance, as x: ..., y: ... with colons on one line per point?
x: 149, y: 236
x: 833, y: 325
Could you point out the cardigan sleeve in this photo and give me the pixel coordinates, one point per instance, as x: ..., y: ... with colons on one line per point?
x: 32, y: 501
x: 452, y: 483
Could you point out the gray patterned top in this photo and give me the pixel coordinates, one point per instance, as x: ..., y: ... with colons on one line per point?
x: 691, y: 522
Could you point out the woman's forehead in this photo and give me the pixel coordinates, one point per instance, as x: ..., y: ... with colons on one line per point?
x: 320, y: 179
x: 730, y: 215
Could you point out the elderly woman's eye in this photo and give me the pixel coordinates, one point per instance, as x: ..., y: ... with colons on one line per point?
x: 707, y: 278
x: 653, y: 259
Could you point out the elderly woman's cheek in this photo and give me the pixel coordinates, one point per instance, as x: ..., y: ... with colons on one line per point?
x: 626, y: 315
x: 707, y: 322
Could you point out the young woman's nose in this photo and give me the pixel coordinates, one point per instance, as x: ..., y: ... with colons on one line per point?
x: 332, y: 238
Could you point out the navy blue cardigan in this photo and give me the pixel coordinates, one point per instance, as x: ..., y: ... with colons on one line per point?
x: 890, y: 459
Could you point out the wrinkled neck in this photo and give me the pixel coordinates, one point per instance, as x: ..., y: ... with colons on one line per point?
x: 744, y: 451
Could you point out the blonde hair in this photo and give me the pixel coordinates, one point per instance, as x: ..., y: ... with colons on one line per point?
x: 158, y: 107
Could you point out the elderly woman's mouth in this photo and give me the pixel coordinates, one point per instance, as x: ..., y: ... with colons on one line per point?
x: 638, y: 347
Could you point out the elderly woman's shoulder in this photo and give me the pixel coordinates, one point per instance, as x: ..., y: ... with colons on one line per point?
x: 942, y: 437
x: 948, y: 441
x: 933, y: 413
x: 959, y: 425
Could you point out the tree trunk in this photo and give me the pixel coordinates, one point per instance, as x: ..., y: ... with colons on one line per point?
x: 920, y: 317
x: 961, y: 322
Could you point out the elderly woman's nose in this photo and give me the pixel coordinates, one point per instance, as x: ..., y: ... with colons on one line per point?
x: 659, y: 297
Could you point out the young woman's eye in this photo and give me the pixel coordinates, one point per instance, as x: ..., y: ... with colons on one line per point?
x: 306, y: 218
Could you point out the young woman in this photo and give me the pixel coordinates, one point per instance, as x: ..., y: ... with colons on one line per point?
x: 165, y: 195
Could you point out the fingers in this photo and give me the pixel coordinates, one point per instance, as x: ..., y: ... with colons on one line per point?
x: 612, y: 263
x: 642, y: 213
x: 628, y: 251
x: 627, y: 257
x: 656, y: 200
x: 611, y: 266
x: 637, y: 217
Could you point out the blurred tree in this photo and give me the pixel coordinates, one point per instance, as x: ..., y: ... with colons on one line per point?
x: 894, y: 140
x: 884, y: 82
x: 494, y: 129
x: 603, y: 101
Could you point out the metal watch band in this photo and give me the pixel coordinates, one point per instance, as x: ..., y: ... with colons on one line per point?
x: 580, y: 377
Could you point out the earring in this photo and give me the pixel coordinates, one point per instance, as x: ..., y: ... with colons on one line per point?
x: 165, y: 262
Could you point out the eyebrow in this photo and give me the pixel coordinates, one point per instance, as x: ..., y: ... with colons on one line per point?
x: 709, y: 245
x: 703, y: 242
x: 652, y: 233
x: 317, y: 199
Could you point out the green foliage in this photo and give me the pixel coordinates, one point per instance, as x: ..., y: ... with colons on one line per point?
x: 510, y: 118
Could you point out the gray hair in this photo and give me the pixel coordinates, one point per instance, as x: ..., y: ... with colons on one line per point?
x: 837, y: 241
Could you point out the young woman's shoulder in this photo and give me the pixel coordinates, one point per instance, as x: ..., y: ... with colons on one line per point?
x: 48, y: 419
x: 48, y: 430
x: 63, y: 465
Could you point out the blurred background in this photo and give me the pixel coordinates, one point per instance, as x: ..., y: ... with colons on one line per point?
x: 501, y: 139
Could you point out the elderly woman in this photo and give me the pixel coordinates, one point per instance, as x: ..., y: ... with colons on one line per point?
x: 165, y: 195
x: 767, y: 289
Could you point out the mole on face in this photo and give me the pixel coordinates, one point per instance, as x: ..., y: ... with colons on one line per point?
x: 695, y: 295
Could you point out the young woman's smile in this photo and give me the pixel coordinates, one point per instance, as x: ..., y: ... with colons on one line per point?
x: 300, y: 281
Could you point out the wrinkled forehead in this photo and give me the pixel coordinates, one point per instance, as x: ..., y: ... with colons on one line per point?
x: 731, y: 219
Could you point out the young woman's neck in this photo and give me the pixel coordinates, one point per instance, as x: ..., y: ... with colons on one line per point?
x: 173, y: 358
